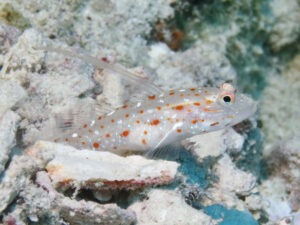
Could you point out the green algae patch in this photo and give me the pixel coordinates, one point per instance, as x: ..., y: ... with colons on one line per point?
x: 12, y: 17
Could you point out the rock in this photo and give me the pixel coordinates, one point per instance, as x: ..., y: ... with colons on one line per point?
x: 8, y: 36
x: 11, y: 93
x: 44, y: 205
x: 8, y: 125
x: 232, y: 179
x: 281, y: 118
x: 215, y: 195
x: 16, y: 177
x: 24, y: 57
x: 285, y: 29
x: 128, y: 23
x: 201, y: 64
x: 274, y: 192
x: 214, y: 144
x: 282, y: 189
x: 293, y: 219
x: 284, y: 163
x: 284, y: 160
x: 168, y: 207
x: 296, y: 218
x: 204, y: 145
x: 28, y: 71
x: 87, y: 212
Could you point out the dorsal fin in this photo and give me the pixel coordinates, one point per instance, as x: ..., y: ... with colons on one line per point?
x: 142, y: 83
x: 101, y: 110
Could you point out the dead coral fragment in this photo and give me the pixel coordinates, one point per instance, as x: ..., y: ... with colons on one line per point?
x: 102, y: 170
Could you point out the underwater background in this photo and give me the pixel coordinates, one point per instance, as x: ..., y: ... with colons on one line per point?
x: 248, y: 174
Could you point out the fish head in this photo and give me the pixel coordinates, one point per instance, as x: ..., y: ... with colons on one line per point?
x: 226, y: 107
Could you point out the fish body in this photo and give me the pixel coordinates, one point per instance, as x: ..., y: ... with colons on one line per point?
x: 159, y: 120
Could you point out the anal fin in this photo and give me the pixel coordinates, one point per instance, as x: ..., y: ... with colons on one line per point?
x: 168, y: 152
x: 164, y: 148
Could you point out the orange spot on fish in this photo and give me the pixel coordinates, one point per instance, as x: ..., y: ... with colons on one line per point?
x: 67, y: 139
x: 127, y: 115
x: 96, y: 145
x: 115, y: 147
x: 194, y: 121
x: 168, y: 105
x: 179, y: 107
x: 151, y: 97
x: 83, y: 143
x: 99, y: 117
x: 197, y: 103
x: 124, y: 106
x: 181, y: 95
x: 179, y: 130
x: 214, y: 124
x: 197, y: 94
x: 210, y: 110
x: 125, y: 133
x: 189, y: 110
x: 158, y: 108
x: 145, y: 132
x: 141, y: 111
x: 202, y: 120
x: 192, y: 89
x: 85, y: 125
x: 112, y: 120
x: 101, y: 126
x: 138, y: 121
x: 208, y: 101
x: 171, y: 93
x: 144, y: 141
x: 155, y: 122
x: 107, y: 135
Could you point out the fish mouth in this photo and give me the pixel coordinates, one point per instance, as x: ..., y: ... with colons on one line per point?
x: 246, y: 107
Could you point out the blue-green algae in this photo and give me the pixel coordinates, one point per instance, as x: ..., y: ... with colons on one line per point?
x: 230, y: 216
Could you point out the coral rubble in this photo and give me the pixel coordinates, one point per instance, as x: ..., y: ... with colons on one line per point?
x: 170, y: 211
x: 223, y: 177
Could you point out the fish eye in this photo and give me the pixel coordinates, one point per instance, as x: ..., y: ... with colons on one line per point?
x: 227, y: 99
x: 227, y: 94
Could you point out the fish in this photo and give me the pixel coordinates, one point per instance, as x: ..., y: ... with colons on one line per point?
x: 159, y: 118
